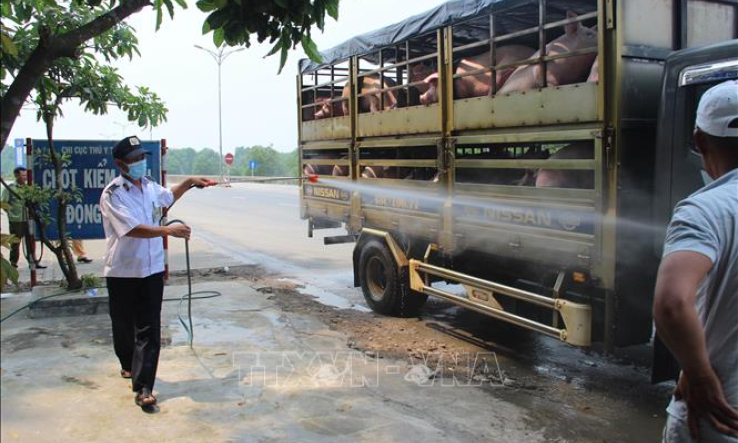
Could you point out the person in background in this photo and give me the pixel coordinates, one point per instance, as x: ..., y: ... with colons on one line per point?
x: 134, y: 262
x: 696, y: 302
x: 79, y: 250
x: 17, y: 217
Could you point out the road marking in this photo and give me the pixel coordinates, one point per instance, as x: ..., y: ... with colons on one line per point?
x: 240, y: 198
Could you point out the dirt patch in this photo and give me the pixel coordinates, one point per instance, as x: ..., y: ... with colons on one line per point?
x: 410, y: 339
x: 244, y: 272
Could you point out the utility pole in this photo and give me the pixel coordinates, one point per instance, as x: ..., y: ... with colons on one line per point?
x: 219, y: 58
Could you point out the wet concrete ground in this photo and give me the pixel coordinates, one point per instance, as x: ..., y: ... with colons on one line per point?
x: 272, y: 365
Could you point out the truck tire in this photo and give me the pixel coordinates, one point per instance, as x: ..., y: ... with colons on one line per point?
x: 385, y: 287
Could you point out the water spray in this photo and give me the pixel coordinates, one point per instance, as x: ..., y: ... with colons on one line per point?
x: 312, y: 178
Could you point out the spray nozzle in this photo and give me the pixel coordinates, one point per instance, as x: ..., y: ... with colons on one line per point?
x: 204, y: 184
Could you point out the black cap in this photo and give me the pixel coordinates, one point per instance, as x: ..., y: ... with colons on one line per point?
x: 129, y: 147
x: 19, y: 169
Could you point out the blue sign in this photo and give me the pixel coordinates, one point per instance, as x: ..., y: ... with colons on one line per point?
x: 90, y: 170
x: 20, y: 152
x: 253, y: 164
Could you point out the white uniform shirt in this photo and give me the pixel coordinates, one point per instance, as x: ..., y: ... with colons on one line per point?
x: 124, y: 207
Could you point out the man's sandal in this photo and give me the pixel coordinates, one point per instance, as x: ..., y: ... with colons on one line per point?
x: 145, y: 399
x: 125, y: 374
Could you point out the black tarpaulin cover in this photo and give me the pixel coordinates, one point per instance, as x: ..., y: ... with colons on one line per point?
x: 454, y: 11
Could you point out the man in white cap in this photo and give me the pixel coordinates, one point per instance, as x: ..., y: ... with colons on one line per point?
x: 696, y: 302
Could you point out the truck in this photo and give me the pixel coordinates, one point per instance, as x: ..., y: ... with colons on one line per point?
x: 544, y: 207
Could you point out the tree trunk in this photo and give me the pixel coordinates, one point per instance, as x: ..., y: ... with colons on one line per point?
x: 51, y: 48
x: 63, y: 253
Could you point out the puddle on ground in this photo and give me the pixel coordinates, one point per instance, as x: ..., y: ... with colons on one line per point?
x: 325, y: 297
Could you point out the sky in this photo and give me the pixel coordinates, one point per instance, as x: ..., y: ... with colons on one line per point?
x: 259, y: 106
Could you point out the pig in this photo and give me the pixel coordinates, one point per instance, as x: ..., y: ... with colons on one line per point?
x: 377, y: 172
x: 568, y: 178
x: 324, y: 110
x: 371, y: 103
x: 561, y: 71
x: 334, y: 170
x: 594, y: 73
x: 478, y: 85
x: 340, y: 171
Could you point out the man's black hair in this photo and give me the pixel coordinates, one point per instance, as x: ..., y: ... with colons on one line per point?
x: 18, y: 169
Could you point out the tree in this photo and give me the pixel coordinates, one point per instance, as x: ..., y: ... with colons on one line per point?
x: 266, y: 161
x: 240, y: 161
x: 96, y: 86
x: 180, y: 161
x: 49, y: 51
x: 60, y: 31
x: 290, y: 164
x: 206, y: 162
x: 7, y: 271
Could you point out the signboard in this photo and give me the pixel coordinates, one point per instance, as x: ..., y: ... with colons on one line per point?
x: 253, y: 164
x: 229, y: 159
x: 20, y: 152
x: 90, y: 170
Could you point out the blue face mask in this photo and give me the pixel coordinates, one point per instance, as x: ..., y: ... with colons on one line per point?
x: 137, y: 170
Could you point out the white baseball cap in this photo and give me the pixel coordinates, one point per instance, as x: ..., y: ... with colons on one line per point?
x: 718, y: 108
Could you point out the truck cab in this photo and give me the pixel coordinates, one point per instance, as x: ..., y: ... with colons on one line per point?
x: 687, y: 75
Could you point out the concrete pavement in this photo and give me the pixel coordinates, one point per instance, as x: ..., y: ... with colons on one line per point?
x: 256, y: 374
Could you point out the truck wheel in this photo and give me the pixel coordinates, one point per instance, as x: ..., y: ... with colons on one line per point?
x: 385, y: 288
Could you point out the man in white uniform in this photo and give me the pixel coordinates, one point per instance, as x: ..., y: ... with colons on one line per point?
x: 696, y: 302
x: 134, y: 262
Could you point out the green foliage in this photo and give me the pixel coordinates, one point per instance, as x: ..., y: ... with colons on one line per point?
x: 26, y: 21
x: 87, y: 77
x: 7, y: 272
x: 286, y: 23
x: 187, y: 161
x: 206, y: 163
x: 180, y: 161
x: 90, y: 281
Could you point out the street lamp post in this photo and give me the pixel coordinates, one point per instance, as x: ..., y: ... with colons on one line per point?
x: 123, y: 127
x: 219, y: 58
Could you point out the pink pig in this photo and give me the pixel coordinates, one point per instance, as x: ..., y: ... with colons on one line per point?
x: 594, y: 74
x: 561, y: 71
x: 324, y: 110
x: 371, y: 103
x: 568, y: 178
x: 477, y: 85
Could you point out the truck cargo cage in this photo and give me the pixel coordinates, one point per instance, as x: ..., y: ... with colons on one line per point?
x: 444, y: 144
